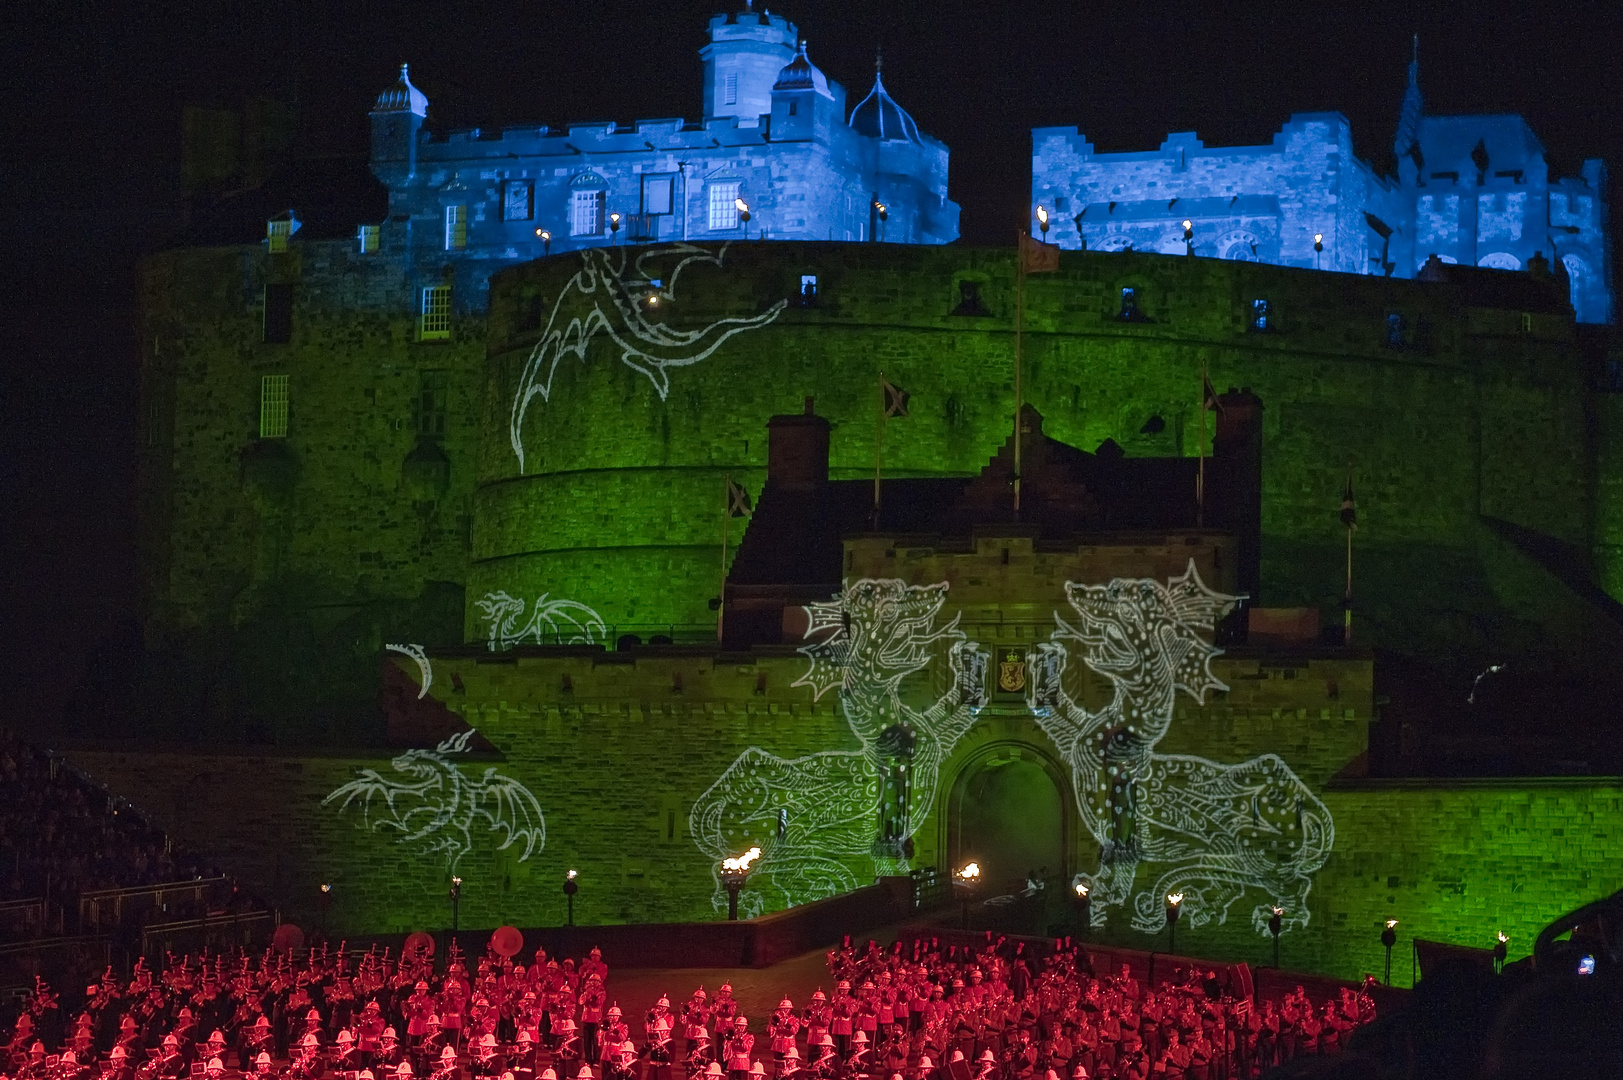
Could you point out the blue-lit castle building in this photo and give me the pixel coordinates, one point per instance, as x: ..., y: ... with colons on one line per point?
x: 779, y: 155
x: 1474, y: 190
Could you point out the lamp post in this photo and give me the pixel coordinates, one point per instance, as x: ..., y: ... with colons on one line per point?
x: 1084, y: 909
x: 1042, y: 221
x: 1501, y: 948
x: 1188, y: 237
x: 1274, y: 923
x: 743, y: 215
x: 734, y: 872
x: 546, y: 241
x: 1174, y: 909
x: 456, y: 901
x: 571, y: 887
x: 965, y: 881
x: 1318, y: 246
x: 1389, y: 938
x: 614, y: 227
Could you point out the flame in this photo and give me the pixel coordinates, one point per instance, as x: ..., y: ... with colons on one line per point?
x: 1081, y: 889
x: 1174, y: 898
x: 743, y: 861
x: 1390, y: 923
x: 970, y: 872
x: 1503, y: 938
x: 1042, y: 215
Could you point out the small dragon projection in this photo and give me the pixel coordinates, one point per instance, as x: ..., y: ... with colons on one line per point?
x: 439, y: 807
x: 568, y: 622
x: 600, y: 300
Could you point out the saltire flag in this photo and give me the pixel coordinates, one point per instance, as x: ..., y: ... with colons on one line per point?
x: 1037, y: 257
x: 1210, y: 400
x: 738, y: 500
x: 895, y: 399
x: 1349, y: 512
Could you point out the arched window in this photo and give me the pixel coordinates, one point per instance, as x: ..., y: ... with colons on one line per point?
x: 1500, y: 260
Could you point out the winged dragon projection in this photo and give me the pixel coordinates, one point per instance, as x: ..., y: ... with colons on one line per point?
x: 441, y: 808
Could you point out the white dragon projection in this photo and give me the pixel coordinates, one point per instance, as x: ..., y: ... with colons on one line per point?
x: 440, y: 808
x: 597, y: 300
x: 1207, y: 830
x: 568, y: 621
x: 423, y: 665
x: 814, y: 816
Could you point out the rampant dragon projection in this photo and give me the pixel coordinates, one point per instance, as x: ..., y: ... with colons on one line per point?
x: 1207, y: 830
x: 814, y: 817
x: 440, y: 808
x: 599, y: 300
x: 567, y: 622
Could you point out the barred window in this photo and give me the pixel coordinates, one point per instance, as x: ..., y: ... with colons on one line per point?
x: 428, y: 409
x: 516, y: 201
x: 277, y: 234
x: 368, y: 237
x: 456, y: 227
x: 273, y: 407
x: 724, y: 205
x: 436, y: 319
x: 586, y: 213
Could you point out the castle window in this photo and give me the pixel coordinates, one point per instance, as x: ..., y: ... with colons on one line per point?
x: 808, y: 289
x: 368, y: 238
x: 729, y: 90
x: 1396, y: 330
x: 586, y: 213
x: 794, y: 107
x: 436, y: 313
x: 277, y: 234
x: 516, y: 201
x: 723, y: 204
x: 656, y: 194
x: 278, y: 313
x: 456, y: 227
x: 273, y: 407
x: 1130, y: 311
x: 428, y: 408
x: 1259, y: 316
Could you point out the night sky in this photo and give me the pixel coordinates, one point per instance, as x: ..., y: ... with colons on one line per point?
x: 92, y: 162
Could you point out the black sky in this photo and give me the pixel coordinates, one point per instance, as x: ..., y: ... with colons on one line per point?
x: 92, y: 152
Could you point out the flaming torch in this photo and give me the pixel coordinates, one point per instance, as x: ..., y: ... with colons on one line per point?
x: 734, y: 872
x: 1174, y: 909
x: 966, y: 881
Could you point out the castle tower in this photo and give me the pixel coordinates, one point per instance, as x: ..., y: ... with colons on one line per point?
x: 396, y: 119
x: 747, y: 50
x: 799, y: 97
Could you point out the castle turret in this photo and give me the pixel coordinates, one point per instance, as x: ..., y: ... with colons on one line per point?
x: 801, y: 93
x: 747, y: 50
x: 396, y: 120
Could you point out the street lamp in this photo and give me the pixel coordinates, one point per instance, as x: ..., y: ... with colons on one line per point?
x: 571, y: 887
x: 1389, y: 938
x: 546, y: 241
x: 743, y: 215
x: 1084, y: 909
x: 734, y: 872
x: 1042, y: 220
x: 456, y: 901
x: 1275, y: 921
x: 1174, y: 909
x: 1500, y: 949
x: 966, y: 881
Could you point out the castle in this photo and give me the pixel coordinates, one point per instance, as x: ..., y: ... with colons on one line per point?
x: 710, y: 537
x: 1472, y: 190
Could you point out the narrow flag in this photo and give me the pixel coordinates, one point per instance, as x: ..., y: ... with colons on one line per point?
x: 895, y: 399
x: 1037, y: 257
x: 738, y: 500
x: 1349, y: 513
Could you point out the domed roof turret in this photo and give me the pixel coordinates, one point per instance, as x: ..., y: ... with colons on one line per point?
x: 801, y: 74
x: 402, y: 97
x: 878, y: 116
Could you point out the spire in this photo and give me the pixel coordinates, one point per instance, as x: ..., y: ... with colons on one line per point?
x: 878, y: 115
x: 1408, y: 136
x: 402, y: 97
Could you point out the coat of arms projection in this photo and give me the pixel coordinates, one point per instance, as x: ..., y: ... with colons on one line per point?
x: 1208, y: 830
x: 602, y: 298
x: 814, y: 816
x: 551, y: 622
x: 437, y: 807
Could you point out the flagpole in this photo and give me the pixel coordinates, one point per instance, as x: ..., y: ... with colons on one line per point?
x: 726, y: 513
x: 1346, y: 602
x: 1019, y: 330
x: 1200, y: 476
x: 878, y: 447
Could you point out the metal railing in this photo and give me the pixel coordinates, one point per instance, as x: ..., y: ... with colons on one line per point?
x: 622, y: 638
x: 216, y: 932
x: 106, y: 909
x: 931, y: 889
x: 22, y: 918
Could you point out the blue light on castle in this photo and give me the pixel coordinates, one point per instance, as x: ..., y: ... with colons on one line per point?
x: 1470, y: 189
x: 777, y: 156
